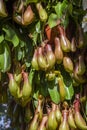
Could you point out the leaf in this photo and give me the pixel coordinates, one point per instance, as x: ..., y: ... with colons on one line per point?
x: 31, y: 76
x: 27, y: 64
x: 11, y: 35
x: 20, y: 54
x: 64, y: 5
x: 66, y: 76
x: 54, y: 93
x: 36, y: 94
x: 58, y: 9
x: 52, y: 21
x: 31, y: 1
x: 22, y: 43
x: 35, y: 36
x: 38, y: 27
x: 68, y: 83
x: 1, y: 38
x: 5, y: 59
x: 63, y: 10
x: 65, y: 21
x: 69, y: 92
x: 35, y: 30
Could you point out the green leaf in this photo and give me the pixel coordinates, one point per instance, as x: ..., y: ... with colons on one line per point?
x: 36, y: 94
x: 31, y: 1
x: 11, y: 35
x: 69, y: 92
x: 38, y: 27
x: 68, y: 83
x: 66, y: 76
x: 35, y: 36
x: 52, y: 21
x: 64, y: 5
x: 27, y: 64
x: 35, y: 30
x: 31, y: 76
x: 54, y: 93
x: 1, y: 38
x: 20, y: 53
x: 67, y: 79
x: 65, y: 21
x: 58, y: 9
x: 5, y: 58
x: 22, y: 43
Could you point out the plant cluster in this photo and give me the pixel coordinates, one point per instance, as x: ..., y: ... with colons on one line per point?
x: 43, y: 72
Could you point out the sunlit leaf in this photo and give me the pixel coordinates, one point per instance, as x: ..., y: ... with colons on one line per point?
x: 52, y: 21
x: 58, y: 9
x: 38, y: 27
x: 54, y: 93
x: 69, y: 92
x: 68, y: 83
